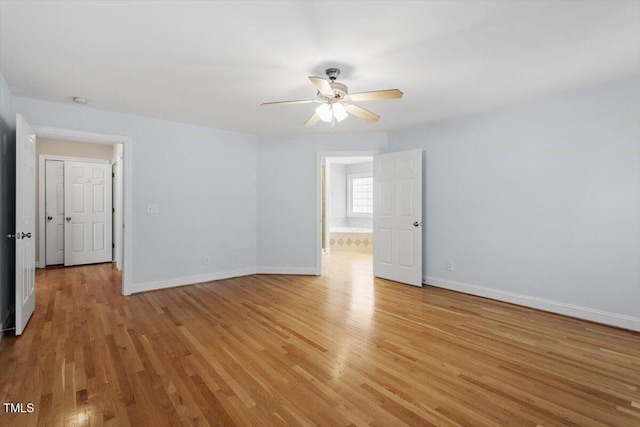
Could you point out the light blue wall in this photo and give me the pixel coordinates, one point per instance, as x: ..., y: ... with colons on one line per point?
x: 541, y: 199
x: 202, y: 179
x: 364, y: 167
x: 287, y: 193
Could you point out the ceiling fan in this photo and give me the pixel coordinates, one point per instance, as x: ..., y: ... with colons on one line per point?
x: 336, y: 101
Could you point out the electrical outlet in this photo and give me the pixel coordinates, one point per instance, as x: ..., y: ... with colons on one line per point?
x: 152, y: 209
x: 207, y: 260
x: 449, y: 266
x: 236, y: 257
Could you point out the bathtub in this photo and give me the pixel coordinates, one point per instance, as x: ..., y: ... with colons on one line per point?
x: 350, y: 230
x: 351, y: 239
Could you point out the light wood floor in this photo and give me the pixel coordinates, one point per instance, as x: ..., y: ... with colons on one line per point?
x: 342, y: 349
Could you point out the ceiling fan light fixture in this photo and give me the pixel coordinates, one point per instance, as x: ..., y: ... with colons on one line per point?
x: 325, y: 113
x: 339, y: 112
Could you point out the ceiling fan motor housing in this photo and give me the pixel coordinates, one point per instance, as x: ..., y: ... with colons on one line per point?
x: 339, y: 89
x: 332, y: 73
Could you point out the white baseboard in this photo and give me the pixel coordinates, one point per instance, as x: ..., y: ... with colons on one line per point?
x: 613, y: 319
x: 303, y: 271
x: 163, y: 284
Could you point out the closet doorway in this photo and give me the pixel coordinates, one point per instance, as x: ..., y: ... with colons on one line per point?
x: 79, y: 203
x: 78, y: 212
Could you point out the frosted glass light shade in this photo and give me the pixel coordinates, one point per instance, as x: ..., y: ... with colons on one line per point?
x: 339, y: 112
x: 325, y: 113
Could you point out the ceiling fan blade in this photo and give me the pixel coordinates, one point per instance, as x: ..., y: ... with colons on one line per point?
x: 302, y: 101
x: 375, y: 95
x: 323, y: 86
x: 362, y: 113
x: 312, y: 120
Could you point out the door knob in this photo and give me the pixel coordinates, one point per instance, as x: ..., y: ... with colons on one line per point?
x: 68, y: 218
x: 27, y: 235
x: 417, y: 224
x: 11, y: 236
x: 49, y: 218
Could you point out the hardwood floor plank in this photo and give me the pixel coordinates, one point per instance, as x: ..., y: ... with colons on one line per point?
x: 344, y: 349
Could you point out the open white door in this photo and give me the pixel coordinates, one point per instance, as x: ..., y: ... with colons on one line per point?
x: 397, y: 216
x: 25, y: 223
x: 87, y: 206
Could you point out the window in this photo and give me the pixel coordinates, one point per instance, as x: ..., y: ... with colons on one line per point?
x: 360, y: 195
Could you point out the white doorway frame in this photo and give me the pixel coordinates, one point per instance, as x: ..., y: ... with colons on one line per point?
x: 107, y: 139
x: 118, y: 191
x: 41, y: 199
x: 321, y: 156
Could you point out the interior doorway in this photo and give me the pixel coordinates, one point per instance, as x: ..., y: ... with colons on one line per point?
x: 344, y: 207
x: 78, y: 210
x: 392, y: 195
x: 120, y: 170
x: 76, y: 205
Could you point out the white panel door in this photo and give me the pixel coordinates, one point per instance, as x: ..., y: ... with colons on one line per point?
x: 54, y: 212
x: 87, y: 210
x: 25, y: 223
x: 397, y: 216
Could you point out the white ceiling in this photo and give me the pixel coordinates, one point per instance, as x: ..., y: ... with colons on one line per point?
x: 213, y: 63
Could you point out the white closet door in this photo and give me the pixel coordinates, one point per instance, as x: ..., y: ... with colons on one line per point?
x: 54, y: 212
x: 87, y: 206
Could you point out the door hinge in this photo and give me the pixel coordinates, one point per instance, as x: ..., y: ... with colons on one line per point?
x: 113, y: 175
x: 113, y: 210
x: 113, y: 245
